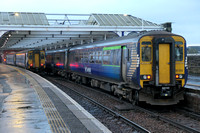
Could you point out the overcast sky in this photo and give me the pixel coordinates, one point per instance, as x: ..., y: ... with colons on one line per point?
x: 184, y: 14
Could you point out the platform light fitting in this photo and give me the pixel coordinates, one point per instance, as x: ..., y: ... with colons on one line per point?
x: 16, y: 14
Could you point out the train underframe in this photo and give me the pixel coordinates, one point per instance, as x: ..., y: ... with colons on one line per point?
x: 150, y: 94
x: 162, y: 95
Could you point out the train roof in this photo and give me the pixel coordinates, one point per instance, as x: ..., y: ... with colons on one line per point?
x: 151, y: 33
x: 134, y: 36
x: 56, y: 50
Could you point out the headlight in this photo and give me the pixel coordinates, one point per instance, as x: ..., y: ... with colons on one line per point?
x: 180, y: 76
x: 145, y: 77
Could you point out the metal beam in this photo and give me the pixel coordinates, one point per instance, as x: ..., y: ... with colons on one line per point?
x: 67, y: 29
x: 78, y: 28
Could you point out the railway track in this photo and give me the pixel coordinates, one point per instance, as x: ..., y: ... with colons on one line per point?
x: 121, y: 123
x: 188, y: 113
x: 164, y: 118
x: 177, y: 122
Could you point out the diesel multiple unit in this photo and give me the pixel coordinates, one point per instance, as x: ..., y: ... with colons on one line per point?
x: 149, y: 67
x: 29, y: 59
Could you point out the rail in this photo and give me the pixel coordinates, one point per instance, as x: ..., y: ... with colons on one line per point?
x: 167, y: 120
x: 109, y: 111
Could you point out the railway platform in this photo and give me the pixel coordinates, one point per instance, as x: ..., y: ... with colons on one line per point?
x: 29, y: 103
x: 193, y: 82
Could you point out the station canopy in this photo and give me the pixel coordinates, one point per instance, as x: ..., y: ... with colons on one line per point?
x: 25, y: 30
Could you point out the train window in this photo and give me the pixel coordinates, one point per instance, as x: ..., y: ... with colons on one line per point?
x: 146, y: 43
x: 62, y: 57
x: 107, y: 52
x: 114, y: 57
x: 178, y: 53
x: 179, y: 43
x: 81, y: 57
x: 42, y: 55
x: 30, y: 56
x: 76, y: 57
x: 71, y: 57
x: 95, y: 56
x: 92, y: 57
x: 56, y: 58
x: 106, y: 57
x: 98, y: 58
x: 146, y: 53
x: 48, y: 58
x: 86, y: 54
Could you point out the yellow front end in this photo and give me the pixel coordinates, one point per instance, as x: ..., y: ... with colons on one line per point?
x: 162, y: 69
x: 30, y: 59
x: 146, y: 59
x: 180, y: 58
x: 42, y: 58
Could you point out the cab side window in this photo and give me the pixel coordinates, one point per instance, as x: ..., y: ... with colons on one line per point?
x: 42, y: 55
x: 30, y: 56
x: 146, y: 53
x: 178, y: 53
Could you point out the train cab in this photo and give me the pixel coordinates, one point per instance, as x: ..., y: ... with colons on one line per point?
x: 163, y: 67
x: 36, y: 60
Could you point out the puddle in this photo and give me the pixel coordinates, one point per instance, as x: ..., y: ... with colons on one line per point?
x: 3, y: 111
x: 24, y: 107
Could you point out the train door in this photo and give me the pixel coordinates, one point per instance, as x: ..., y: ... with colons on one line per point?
x: 125, y: 61
x: 164, y: 63
x: 66, y: 59
x: 124, y: 69
x: 37, y: 64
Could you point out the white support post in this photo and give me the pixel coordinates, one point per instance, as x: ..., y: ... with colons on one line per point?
x: 105, y: 37
x: 92, y: 40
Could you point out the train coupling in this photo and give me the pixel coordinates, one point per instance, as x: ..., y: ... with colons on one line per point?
x: 166, y: 92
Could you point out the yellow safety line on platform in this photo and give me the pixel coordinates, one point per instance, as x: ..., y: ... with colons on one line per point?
x: 54, y: 119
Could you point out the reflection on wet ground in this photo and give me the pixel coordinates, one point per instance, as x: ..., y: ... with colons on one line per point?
x: 193, y: 80
x: 21, y: 110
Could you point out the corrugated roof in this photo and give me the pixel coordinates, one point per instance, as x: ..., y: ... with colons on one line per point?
x: 117, y: 20
x: 23, y: 18
x: 53, y: 31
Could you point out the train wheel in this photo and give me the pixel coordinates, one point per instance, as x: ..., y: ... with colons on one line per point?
x: 136, y: 98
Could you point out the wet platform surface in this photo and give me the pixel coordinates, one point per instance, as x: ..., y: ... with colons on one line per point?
x: 29, y: 103
x: 193, y: 82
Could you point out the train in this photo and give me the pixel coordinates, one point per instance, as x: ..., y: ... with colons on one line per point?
x: 146, y: 67
x: 29, y: 59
